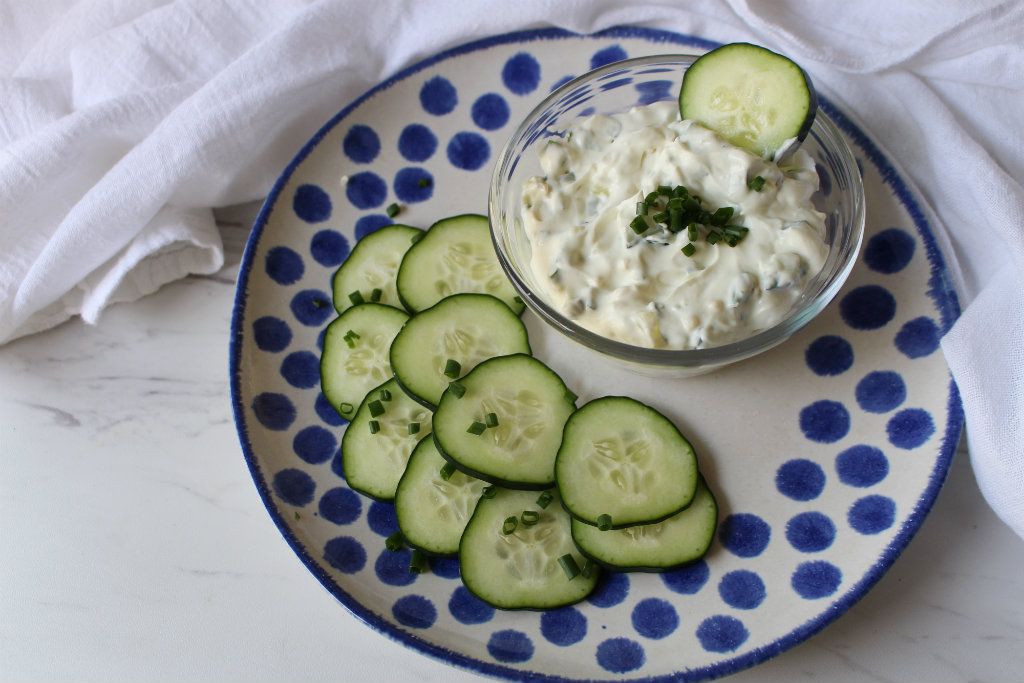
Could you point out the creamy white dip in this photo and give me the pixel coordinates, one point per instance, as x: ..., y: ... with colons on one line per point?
x: 643, y: 290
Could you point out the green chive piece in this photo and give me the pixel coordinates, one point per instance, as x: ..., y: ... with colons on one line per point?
x: 756, y: 184
x: 691, y: 205
x: 352, y: 333
x: 713, y: 237
x: 477, y: 428
x: 604, y: 522
x: 417, y: 237
x: 732, y: 240
x: 418, y: 562
x: 350, y: 342
x: 588, y: 568
x: 423, y: 182
x: 675, y: 203
x: 569, y: 566
x: 529, y: 517
x: 374, y: 426
x: 346, y: 407
x: 414, y: 427
x: 385, y: 395
x: 376, y: 294
x: 457, y: 389
x: 356, y: 298
x: 680, y: 191
x: 639, y: 224
x: 376, y: 408
x: 693, y: 231
x: 737, y: 230
x: 545, y: 499
x: 689, y: 249
x: 491, y: 420
x: 488, y: 492
x: 641, y: 209
x: 447, y: 471
x: 722, y: 215
x: 395, y: 541
x: 509, y: 525
x: 392, y: 210
x: 452, y: 369
x: 660, y: 217
x: 664, y: 190
x: 651, y: 199
x: 571, y: 397
x: 518, y: 300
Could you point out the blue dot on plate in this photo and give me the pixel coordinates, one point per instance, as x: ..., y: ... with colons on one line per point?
x: 889, y: 251
x: 301, y: 369
x: 445, y: 567
x: 271, y: 334
x: 392, y: 567
x: 468, y: 151
x: 654, y: 91
x: 361, y: 144
x: 414, y: 611
x: 490, y: 111
x: 744, y: 534
x: 438, y: 96
x: 329, y: 248
x: 872, y: 514
x: 338, y: 464
x: 311, y: 203
x: 341, y: 506
x: 563, y: 627
x: 274, y: 411
x: 561, y: 81
x: 910, y: 428
x: 294, y: 487
x: 918, y: 337
x: 814, y: 580
x: 469, y: 609
x: 382, y: 518
x: 314, y: 444
x: 345, y: 554
x: 655, y: 618
x: 414, y: 185
x: 370, y: 224
x: 829, y: 355
x: 687, y: 580
x: 417, y: 142
x: 312, y: 307
x: 862, y: 466
x: 607, y: 55
x: 366, y: 190
x: 620, y: 655
x: 800, y: 479
x: 612, y: 588
x: 284, y: 266
x: 327, y: 413
x: 810, y: 532
x: 521, y: 73
x: 881, y: 391
x: 742, y: 589
x: 510, y: 646
x: 722, y: 633
x: 825, y: 421
x: 868, y: 307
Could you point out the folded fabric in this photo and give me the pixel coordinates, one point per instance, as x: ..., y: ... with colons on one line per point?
x: 124, y: 121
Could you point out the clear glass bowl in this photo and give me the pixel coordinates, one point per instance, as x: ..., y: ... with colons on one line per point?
x: 616, y: 88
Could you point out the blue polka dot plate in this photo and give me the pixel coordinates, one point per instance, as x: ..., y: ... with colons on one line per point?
x: 825, y: 453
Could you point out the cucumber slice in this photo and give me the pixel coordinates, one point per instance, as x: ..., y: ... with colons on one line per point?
x: 351, y: 367
x: 624, y: 459
x: 374, y: 460
x: 753, y: 97
x: 683, y: 537
x: 466, y: 328
x: 530, y: 404
x: 455, y: 256
x: 521, y: 570
x: 373, y: 265
x: 433, y: 512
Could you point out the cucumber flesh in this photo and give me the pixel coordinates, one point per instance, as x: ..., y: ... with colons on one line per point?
x: 373, y: 265
x: 752, y: 97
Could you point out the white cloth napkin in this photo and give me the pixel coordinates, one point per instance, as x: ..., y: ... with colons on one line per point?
x: 122, y: 122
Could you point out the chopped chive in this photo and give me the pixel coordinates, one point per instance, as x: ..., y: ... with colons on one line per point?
x: 693, y: 231
x: 680, y: 191
x: 477, y: 428
x: 394, y: 541
x: 353, y: 334
x: 423, y: 182
x: 571, y: 397
x: 529, y: 517
x: 376, y: 294
x: 488, y: 492
x: 491, y: 419
x: 722, y: 215
x: 732, y: 240
x: 447, y: 471
x: 604, y: 522
x: 392, y: 210
x: 651, y: 199
x: 356, y: 298
x: 675, y: 223
x: 756, y: 184
x: 509, y: 525
x: 689, y: 249
x: 569, y: 566
x: 452, y: 369
x: 457, y: 389
x: 713, y: 237
x: 704, y: 217
x: 691, y: 205
x: 664, y: 190
x: 675, y: 203
x: 518, y: 300
x: 318, y: 303
x: 417, y: 237
x: 641, y: 209
x: 660, y: 217
x: 588, y: 568
x: 545, y: 499
x: 345, y: 407
x: 418, y: 562
x: 414, y: 427
x: 639, y: 224
x: 376, y: 408
x: 737, y: 230
x: 374, y: 426
x: 385, y: 395
x: 350, y: 342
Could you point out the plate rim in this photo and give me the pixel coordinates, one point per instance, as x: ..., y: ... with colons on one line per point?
x: 939, y: 290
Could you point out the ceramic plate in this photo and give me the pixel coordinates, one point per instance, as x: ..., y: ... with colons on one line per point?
x: 825, y: 453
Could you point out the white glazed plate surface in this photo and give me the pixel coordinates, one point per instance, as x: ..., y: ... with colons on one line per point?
x: 825, y: 453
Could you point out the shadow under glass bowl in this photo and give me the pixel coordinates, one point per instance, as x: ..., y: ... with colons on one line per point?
x: 616, y: 88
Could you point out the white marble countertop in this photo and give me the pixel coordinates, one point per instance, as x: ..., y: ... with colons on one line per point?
x: 133, y: 544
